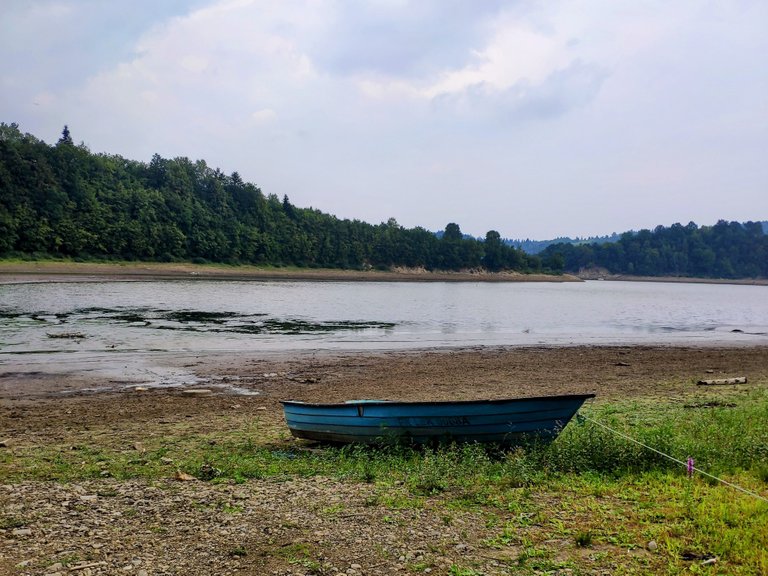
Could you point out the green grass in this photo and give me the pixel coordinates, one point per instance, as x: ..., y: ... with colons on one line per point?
x: 596, y: 491
x: 720, y: 439
x: 723, y: 441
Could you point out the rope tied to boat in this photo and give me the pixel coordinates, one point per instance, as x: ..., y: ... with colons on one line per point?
x: 689, y: 464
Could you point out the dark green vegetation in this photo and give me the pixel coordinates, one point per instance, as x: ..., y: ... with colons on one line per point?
x: 725, y: 250
x: 63, y: 201
x: 606, y: 495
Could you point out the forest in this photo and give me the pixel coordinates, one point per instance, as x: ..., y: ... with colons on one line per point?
x: 63, y: 201
x: 725, y: 250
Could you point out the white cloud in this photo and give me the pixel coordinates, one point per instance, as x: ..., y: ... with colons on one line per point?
x: 516, y: 54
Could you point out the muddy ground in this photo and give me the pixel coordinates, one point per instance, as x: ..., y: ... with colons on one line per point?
x: 43, y: 403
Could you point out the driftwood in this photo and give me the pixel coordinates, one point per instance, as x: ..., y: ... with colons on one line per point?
x: 723, y: 381
x: 196, y: 392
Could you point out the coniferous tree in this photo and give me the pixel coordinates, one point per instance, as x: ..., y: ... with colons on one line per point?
x: 66, y: 138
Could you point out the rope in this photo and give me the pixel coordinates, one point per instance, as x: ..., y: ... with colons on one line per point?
x: 688, y: 465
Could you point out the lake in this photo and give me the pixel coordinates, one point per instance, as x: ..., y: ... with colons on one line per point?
x: 198, y: 315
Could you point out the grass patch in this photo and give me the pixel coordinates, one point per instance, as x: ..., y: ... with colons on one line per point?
x: 722, y: 440
x: 11, y: 522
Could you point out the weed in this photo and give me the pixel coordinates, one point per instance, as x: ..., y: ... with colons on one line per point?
x: 456, y: 570
x: 333, y: 510
x: 300, y: 553
x: 532, y: 552
x: 371, y: 501
x: 584, y: 539
x: 421, y: 566
x: 70, y: 559
x: 509, y: 535
x: 229, y: 508
x: 295, y: 549
x: 208, y: 472
x: 309, y: 564
x: 11, y: 522
x: 761, y: 472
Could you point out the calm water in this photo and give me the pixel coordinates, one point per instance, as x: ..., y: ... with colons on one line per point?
x: 198, y: 316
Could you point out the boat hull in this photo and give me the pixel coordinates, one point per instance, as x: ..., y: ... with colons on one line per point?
x: 505, y: 422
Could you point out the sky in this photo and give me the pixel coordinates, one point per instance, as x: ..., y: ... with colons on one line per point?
x: 537, y: 119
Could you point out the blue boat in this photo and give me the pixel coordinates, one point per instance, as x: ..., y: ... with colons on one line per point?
x: 505, y: 422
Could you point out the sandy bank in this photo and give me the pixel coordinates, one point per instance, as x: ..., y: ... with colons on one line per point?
x: 15, y: 272
x: 613, y: 372
x: 602, y: 274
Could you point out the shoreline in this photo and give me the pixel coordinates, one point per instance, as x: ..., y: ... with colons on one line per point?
x: 618, y: 371
x: 677, y: 279
x: 539, y: 369
x: 49, y: 271
x: 14, y: 272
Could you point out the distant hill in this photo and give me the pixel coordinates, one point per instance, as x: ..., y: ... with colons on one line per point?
x: 536, y: 246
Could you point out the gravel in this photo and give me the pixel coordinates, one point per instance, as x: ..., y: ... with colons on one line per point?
x: 296, y: 526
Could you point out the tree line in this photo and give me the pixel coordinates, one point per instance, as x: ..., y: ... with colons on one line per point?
x: 62, y: 200
x: 725, y: 250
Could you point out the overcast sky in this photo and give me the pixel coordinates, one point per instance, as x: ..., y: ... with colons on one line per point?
x: 536, y: 119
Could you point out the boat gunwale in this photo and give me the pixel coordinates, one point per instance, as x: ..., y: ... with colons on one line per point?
x: 394, y: 403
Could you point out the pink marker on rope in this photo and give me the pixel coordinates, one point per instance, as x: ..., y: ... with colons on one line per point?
x: 691, y: 469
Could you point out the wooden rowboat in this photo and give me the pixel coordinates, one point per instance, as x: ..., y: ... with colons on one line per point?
x: 505, y: 422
